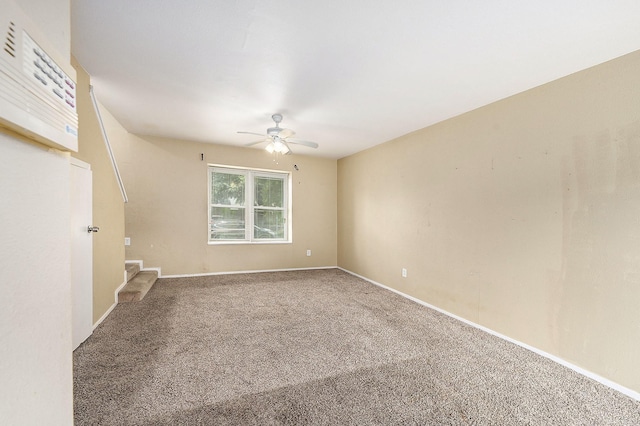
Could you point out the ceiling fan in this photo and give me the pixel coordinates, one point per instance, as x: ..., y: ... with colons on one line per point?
x: 278, y: 139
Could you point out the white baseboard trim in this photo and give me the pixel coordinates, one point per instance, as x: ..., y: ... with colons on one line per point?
x: 207, y: 274
x: 609, y: 383
x: 115, y: 302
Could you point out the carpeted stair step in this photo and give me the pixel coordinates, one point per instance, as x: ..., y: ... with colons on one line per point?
x: 132, y: 269
x: 137, y: 287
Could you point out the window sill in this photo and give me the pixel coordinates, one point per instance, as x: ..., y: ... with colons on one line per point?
x: 230, y: 242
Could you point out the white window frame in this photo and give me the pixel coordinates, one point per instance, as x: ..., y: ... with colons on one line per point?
x: 249, y: 206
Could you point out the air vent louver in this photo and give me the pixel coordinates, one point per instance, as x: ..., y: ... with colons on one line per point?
x: 10, y: 40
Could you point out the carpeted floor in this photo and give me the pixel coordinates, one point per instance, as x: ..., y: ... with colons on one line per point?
x: 317, y: 347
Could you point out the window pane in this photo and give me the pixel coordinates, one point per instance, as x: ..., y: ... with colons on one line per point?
x: 227, y: 223
x: 248, y: 205
x: 227, y: 189
x: 268, y: 224
x: 269, y: 192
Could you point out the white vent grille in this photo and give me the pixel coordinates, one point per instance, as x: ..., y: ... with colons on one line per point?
x: 10, y: 40
x: 37, y: 87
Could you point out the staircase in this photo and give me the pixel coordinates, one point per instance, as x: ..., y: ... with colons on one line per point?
x: 138, y: 283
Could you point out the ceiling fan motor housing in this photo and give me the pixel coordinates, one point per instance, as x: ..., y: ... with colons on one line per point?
x: 274, y: 131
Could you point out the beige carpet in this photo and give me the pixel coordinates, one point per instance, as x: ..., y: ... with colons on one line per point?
x: 317, y: 347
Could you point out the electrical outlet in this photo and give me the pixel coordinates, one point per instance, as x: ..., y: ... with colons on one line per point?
x: 127, y: 241
x: 308, y: 252
x: 404, y: 272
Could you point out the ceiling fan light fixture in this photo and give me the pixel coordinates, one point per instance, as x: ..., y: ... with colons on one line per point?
x: 284, y: 149
x: 277, y: 146
x: 270, y: 148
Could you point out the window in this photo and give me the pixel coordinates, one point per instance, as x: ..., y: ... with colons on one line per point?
x: 248, y: 205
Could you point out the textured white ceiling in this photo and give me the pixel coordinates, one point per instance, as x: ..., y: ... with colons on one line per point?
x: 348, y: 74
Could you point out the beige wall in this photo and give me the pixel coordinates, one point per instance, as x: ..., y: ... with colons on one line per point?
x: 166, y: 216
x: 522, y: 216
x: 108, y: 205
x: 36, y: 365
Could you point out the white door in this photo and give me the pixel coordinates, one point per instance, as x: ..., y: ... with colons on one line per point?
x: 81, y: 252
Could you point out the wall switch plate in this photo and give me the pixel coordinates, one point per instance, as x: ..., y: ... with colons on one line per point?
x: 308, y: 252
x: 404, y: 272
x: 127, y: 241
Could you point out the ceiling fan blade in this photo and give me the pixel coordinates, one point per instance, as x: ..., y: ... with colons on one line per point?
x: 305, y: 143
x: 253, y: 133
x: 286, y: 133
x: 255, y: 142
